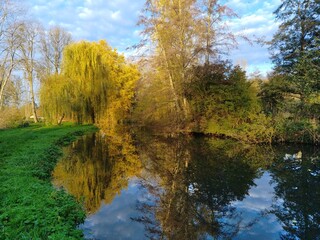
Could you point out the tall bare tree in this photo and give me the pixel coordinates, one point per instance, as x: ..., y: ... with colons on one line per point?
x: 29, y: 33
x: 52, y: 43
x: 216, y: 38
x: 9, y: 43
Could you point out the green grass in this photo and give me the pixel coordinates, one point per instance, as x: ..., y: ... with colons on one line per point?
x: 30, y: 207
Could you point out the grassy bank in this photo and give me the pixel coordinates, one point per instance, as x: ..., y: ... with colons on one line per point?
x: 30, y: 208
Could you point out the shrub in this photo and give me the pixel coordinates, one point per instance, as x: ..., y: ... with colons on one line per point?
x: 256, y: 128
x: 302, y: 131
x: 11, y: 117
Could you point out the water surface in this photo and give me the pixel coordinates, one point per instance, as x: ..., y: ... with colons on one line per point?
x: 150, y: 187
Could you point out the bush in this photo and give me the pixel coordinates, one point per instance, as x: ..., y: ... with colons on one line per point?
x: 302, y: 131
x: 256, y: 128
x: 11, y: 117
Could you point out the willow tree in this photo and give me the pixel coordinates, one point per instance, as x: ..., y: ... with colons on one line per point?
x: 95, y: 84
x: 56, y: 97
x: 83, y: 63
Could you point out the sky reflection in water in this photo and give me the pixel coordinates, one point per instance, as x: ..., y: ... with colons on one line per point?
x: 113, y: 221
x: 191, y: 188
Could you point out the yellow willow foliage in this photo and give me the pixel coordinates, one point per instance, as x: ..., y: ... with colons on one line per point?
x: 98, y: 167
x: 56, y: 98
x: 100, y: 84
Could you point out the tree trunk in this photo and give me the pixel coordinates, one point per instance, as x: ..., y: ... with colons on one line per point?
x: 61, y: 118
x: 175, y: 96
x: 1, y: 94
x: 93, y: 117
x: 33, y: 103
x: 5, y: 79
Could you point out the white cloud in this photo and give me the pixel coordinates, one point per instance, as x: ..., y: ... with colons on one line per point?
x: 52, y: 23
x: 113, y: 221
x: 85, y: 13
x: 116, y: 21
x: 116, y: 15
x: 89, y: 2
x: 257, y: 21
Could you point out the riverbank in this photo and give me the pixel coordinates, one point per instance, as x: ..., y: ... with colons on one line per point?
x: 30, y: 207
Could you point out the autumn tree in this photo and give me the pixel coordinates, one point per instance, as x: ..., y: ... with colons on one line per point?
x: 95, y: 85
x: 171, y: 27
x: 182, y: 33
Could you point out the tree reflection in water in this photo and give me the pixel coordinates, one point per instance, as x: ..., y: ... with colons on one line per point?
x: 196, y: 183
x: 98, y: 167
x: 191, y: 187
x: 298, y: 193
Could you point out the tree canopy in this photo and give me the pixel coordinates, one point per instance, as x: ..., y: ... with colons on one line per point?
x: 298, y: 34
x: 184, y: 33
x: 95, y: 85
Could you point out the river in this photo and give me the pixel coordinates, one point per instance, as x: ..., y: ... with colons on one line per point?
x: 139, y: 186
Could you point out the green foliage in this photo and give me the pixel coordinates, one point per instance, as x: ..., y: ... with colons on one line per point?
x: 301, y: 131
x: 291, y: 94
x: 272, y: 94
x: 292, y: 100
x: 30, y: 208
x: 225, y: 103
x: 297, y: 34
x: 306, y: 74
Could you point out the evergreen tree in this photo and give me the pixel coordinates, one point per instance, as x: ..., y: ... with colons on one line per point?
x: 296, y: 49
x: 298, y: 34
x: 292, y: 95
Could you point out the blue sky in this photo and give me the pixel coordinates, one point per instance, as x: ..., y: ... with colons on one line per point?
x: 115, y: 21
